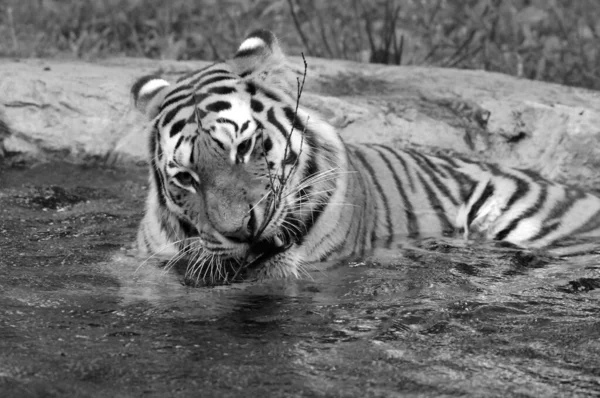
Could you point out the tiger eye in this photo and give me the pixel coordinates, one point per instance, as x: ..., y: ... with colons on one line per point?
x: 184, y: 178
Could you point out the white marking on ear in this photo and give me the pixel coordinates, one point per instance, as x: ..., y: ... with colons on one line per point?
x: 252, y: 43
x: 152, y: 86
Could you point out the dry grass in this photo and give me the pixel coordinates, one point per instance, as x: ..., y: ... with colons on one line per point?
x: 551, y: 40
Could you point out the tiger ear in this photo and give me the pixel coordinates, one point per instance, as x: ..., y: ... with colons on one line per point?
x: 147, y: 94
x: 260, y: 58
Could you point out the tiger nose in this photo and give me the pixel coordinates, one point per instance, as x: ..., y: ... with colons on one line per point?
x: 245, y: 233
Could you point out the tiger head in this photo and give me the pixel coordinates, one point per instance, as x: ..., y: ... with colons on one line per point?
x: 240, y: 173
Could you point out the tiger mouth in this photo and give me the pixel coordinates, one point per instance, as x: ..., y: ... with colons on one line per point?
x: 257, y: 254
x: 264, y: 250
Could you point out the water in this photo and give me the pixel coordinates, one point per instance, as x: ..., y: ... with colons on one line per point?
x: 80, y: 317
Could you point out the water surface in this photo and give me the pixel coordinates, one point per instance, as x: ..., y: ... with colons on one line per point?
x: 79, y: 316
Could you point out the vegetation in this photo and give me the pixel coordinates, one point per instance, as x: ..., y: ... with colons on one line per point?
x: 552, y: 40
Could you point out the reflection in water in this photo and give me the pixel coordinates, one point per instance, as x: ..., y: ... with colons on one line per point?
x: 417, y: 279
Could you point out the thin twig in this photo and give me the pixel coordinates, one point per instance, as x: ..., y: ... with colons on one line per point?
x: 323, y: 31
x: 309, y: 50
x: 282, y: 180
x: 13, y: 32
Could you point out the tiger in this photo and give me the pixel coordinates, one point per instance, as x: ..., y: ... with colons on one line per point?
x: 245, y: 176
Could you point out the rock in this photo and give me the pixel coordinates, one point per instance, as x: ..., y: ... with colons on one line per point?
x: 81, y: 112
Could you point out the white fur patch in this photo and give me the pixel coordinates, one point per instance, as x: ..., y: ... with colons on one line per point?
x: 152, y: 86
x: 251, y: 43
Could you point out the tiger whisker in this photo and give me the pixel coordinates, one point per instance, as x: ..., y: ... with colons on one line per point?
x: 303, y: 270
x: 175, y: 259
x: 158, y: 252
x: 298, y: 209
x: 259, y: 201
x: 205, y: 266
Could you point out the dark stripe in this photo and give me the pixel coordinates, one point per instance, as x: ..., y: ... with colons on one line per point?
x: 198, y: 98
x: 379, y: 188
x: 293, y: 119
x: 177, y: 90
x: 343, y: 236
x: 214, y: 72
x: 557, y: 212
x: 311, y: 170
x: 192, y: 151
x: 440, y: 211
x: 270, y: 95
x: 177, y: 127
x: 295, y: 230
x: 531, y: 211
x: 369, y: 228
x: 429, y: 163
x: 222, y: 90
x: 465, y: 160
x: 310, y: 138
x: 251, y: 88
x: 267, y: 145
x: 218, y: 106
x: 535, y: 176
x: 174, y: 92
x: 363, y: 209
x: 396, y: 154
x: 173, y: 100
x: 228, y: 121
x: 219, y: 143
x: 413, y: 225
x: 145, y: 238
x: 291, y: 157
x: 179, y: 141
x: 216, y: 79
x: 273, y: 120
x: 466, y: 184
x: 187, y: 228
x: 522, y: 185
x: 175, y: 96
x: 225, y: 75
x: 448, y: 160
x: 199, y: 114
x: 425, y: 168
x: 244, y: 126
x: 469, y: 194
x: 256, y: 106
x: 313, y: 217
x: 488, y: 191
x: 154, y: 148
x: 171, y: 114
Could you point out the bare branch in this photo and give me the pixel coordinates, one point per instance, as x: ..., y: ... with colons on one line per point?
x: 299, y: 29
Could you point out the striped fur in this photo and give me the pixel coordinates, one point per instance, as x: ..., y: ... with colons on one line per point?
x: 240, y: 175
